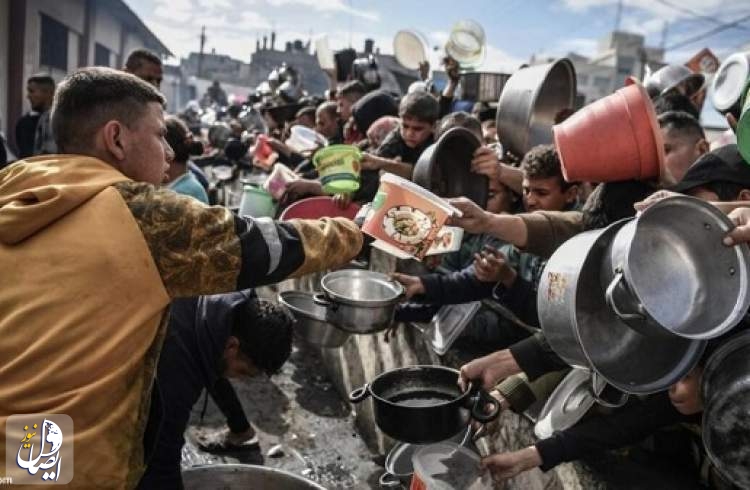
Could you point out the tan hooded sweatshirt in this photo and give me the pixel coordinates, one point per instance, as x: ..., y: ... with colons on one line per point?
x: 89, y: 263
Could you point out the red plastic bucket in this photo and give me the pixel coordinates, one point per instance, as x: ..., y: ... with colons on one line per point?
x: 615, y: 138
x: 318, y: 207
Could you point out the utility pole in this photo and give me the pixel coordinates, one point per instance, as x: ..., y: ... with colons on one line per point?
x: 664, y: 35
x: 618, y: 15
x: 200, y: 54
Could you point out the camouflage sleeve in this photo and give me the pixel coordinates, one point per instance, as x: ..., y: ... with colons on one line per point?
x: 201, y: 249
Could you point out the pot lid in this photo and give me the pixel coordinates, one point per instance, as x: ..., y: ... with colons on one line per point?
x: 300, y: 303
x: 444, y: 168
x: 568, y: 403
x: 730, y: 81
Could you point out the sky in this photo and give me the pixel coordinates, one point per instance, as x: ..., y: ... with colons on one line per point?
x: 515, y: 29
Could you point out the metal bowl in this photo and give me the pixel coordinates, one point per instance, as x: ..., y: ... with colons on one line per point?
x: 729, y: 83
x: 310, y: 318
x: 670, y: 77
x: 444, y: 167
x: 241, y: 476
x: 359, y: 301
x: 530, y: 103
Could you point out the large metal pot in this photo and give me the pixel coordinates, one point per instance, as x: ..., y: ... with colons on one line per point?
x: 482, y: 86
x: 359, y: 301
x: 531, y: 101
x: 242, y: 476
x: 584, y: 331
x: 444, y: 167
x: 310, y: 320
x: 424, y: 404
x: 671, y: 272
x: 725, y: 390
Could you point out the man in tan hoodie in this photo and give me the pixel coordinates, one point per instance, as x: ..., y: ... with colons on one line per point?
x: 92, y: 252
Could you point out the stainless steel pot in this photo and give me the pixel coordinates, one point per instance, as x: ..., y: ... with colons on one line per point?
x: 725, y: 391
x: 482, y: 86
x: 531, y: 100
x: 584, y: 331
x: 241, y: 476
x: 730, y: 82
x: 680, y: 277
x: 310, y: 320
x: 359, y: 301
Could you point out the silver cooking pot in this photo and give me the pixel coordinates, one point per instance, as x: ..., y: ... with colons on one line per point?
x: 584, y: 331
x: 310, y: 320
x: 670, y: 271
x: 241, y: 476
x: 725, y: 390
x: 359, y: 301
x: 530, y: 102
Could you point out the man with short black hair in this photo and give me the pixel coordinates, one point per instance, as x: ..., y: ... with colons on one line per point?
x: 40, y: 90
x: 146, y: 65
x: 111, y: 249
x: 544, y: 187
x: 327, y: 122
x: 684, y: 143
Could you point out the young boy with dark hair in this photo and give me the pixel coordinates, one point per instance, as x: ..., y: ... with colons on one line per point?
x: 684, y: 143
x: 209, y: 338
x: 402, y: 147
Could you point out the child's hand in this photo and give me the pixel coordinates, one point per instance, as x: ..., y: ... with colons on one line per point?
x: 413, y: 284
x: 491, y: 266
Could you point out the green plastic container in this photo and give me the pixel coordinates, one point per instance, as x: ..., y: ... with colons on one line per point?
x: 338, y: 168
x: 743, y: 125
x: 256, y: 202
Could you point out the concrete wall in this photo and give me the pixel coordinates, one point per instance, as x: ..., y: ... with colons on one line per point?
x: 107, y: 31
x: 4, y: 13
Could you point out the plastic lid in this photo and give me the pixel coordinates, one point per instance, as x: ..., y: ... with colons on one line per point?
x: 446, y: 465
x: 730, y: 81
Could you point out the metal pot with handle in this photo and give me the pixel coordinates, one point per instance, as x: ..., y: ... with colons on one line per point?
x: 424, y: 404
x: 670, y: 273
x: 585, y: 332
x: 359, y: 301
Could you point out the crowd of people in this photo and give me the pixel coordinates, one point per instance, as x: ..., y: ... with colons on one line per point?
x: 138, y: 277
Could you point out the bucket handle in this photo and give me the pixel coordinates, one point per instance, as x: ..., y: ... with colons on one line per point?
x: 610, y: 297
x: 388, y: 480
x: 360, y: 394
x: 601, y: 401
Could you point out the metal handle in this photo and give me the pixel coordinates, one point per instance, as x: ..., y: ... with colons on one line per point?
x: 360, y: 394
x: 389, y: 481
x: 601, y: 401
x: 610, y: 297
x: 479, y: 411
x: 320, y: 299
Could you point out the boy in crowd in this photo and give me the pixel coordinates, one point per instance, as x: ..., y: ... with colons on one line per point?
x: 209, y: 337
x: 401, y: 149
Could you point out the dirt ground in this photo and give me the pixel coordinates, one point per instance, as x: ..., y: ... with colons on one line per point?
x: 299, y: 410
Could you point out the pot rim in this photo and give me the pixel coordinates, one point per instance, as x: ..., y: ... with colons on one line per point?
x: 398, y: 290
x: 394, y: 372
x: 727, y: 348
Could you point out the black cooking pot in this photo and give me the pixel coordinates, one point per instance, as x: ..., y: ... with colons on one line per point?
x: 444, y: 167
x: 424, y: 404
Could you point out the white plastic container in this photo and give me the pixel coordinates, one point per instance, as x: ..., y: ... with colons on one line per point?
x: 303, y: 139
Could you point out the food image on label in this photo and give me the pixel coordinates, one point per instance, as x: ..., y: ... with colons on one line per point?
x: 408, y: 225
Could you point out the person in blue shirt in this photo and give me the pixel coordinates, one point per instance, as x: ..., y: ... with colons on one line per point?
x: 181, y: 179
